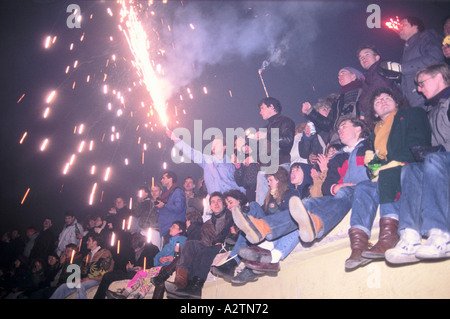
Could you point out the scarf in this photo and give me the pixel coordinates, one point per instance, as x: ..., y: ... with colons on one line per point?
x: 166, y: 195
x: 382, y: 131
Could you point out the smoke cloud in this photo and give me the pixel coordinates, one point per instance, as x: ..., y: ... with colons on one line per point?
x: 206, y: 33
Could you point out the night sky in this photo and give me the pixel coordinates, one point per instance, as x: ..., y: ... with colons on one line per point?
x: 219, y: 46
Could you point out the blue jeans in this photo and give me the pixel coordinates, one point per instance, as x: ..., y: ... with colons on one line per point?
x: 255, y: 211
x: 64, y: 291
x: 286, y: 244
x: 425, y: 200
x: 330, y: 209
x: 364, y: 208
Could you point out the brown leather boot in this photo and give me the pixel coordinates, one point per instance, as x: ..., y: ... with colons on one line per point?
x: 387, y: 239
x: 359, y: 242
x: 181, y: 278
x: 255, y: 229
x: 180, y: 282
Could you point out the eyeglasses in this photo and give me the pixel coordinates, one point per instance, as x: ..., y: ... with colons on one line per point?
x: 420, y: 83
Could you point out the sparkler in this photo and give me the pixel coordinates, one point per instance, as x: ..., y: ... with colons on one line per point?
x: 263, y: 67
x: 138, y: 43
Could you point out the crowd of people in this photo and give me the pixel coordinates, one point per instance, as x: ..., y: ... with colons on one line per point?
x: 381, y: 144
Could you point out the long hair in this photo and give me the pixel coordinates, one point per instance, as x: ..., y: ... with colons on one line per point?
x: 282, y: 176
x: 237, y: 195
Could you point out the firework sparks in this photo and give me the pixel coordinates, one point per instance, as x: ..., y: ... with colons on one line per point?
x: 393, y: 24
x: 25, y: 196
x: 138, y: 43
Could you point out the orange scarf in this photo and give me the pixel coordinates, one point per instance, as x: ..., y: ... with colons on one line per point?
x: 382, y: 131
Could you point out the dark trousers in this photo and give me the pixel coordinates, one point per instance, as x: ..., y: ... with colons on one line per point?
x: 197, y: 258
x: 110, y: 277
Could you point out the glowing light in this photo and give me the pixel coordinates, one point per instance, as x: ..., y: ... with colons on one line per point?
x: 23, y: 137
x: 81, y: 146
x: 25, y: 196
x: 72, y: 159
x: 149, y: 235
x: 51, y: 97
x: 107, y: 173
x: 130, y: 220
x: 91, y: 197
x: 44, y: 145
x: 49, y: 41
x: 20, y: 99
x: 93, y: 169
x: 81, y: 129
x: 138, y: 43
x: 113, y: 239
x: 393, y: 24
x: 46, y: 112
x: 66, y: 169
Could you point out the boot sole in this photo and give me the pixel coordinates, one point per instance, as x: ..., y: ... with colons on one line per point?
x: 248, y: 254
x: 222, y: 275
x: 350, y: 266
x: 244, y: 223
x: 299, y: 213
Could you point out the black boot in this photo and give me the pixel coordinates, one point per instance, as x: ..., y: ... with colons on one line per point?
x: 164, y: 273
x: 194, y: 290
x: 226, y: 271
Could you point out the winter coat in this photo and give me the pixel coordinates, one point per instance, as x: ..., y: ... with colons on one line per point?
x: 410, y: 128
x: 422, y: 49
x: 216, y: 229
x: 439, y: 117
x: 372, y: 81
x: 169, y: 249
x: 172, y: 211
x: 286, y: 135
x: 347, y: 166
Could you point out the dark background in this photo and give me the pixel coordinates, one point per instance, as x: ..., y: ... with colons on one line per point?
x: 223, y: 53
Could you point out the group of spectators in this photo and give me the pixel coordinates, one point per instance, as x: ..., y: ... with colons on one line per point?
x: 382, y: 144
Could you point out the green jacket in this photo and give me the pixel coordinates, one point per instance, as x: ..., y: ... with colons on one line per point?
x: 410, y: 128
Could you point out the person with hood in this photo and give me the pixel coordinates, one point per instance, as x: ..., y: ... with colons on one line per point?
x: 345, y: 107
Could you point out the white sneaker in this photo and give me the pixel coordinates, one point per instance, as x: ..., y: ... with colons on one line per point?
x: 436, y: 246
x: 405, y: 250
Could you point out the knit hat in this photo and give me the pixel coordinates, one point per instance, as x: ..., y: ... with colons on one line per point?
x: 359, y: 74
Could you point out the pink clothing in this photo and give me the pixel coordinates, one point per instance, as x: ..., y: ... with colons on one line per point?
x: 142, y: 280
